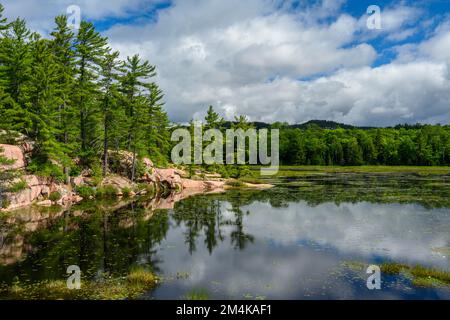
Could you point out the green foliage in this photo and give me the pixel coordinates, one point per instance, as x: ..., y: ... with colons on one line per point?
x: 106, y: 192
x: 235, y: 184
x: 46, y: 169
x: 421, y: 272
x: 421, y: 145
x: 392, y: 268
x: 109, y: 288
x: 76, y: 98
x: 199, y: 294
x: 5, y: 202
x: 55, y: 196
x: 126, y: 192
x: 18, y: 186
x: 74, y: 171
x: 85, y: 192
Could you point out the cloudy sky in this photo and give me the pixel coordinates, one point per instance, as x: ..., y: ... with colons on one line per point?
x: 281, y: 60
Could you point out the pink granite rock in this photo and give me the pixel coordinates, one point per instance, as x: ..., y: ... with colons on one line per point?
x: 14, y: 153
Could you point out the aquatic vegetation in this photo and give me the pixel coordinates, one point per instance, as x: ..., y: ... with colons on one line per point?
x: 130, y: 287
x: 183, y: 275
x: 392, y: 268
x: 444, y: 251
x: 419, y: 276
x: 141, y: 277
x: 317, y: 170
x: 197, y: 294
x: 354, y: 265
x: 424, y: 275
x: 115, y: 235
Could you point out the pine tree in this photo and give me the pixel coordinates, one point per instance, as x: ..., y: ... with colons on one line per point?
x: 111, y: 114
x: 15, y: 60
x: 64, y: 54
x: 90, y: 48
x: 3, y: 21
x: 42, y: 92
x: 15, y: 64
x: 213, y: 120
x: 135, y: 89
x: 158, y: 137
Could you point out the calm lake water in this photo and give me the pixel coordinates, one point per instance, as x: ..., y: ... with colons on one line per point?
x: 305, y: 239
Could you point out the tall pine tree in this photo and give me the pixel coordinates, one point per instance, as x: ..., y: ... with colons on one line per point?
x: 90, y: 48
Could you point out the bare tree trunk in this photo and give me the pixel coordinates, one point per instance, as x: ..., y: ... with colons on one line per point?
x: 105, y: 149
x: 133, y: 170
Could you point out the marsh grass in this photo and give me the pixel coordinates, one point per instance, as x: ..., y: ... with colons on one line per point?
x: 420, y: 276
x: 392, y: 268
x: 292, y: 171
x: 141, y: 277
x: 424, y: 275
x: 197, y: 294
x: 130, y: 287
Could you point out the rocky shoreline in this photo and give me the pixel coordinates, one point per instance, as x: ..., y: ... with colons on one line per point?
x: 39, y: 190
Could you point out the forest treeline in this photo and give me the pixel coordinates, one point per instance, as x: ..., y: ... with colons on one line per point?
x: 74, y: 96
x: 422, y: 145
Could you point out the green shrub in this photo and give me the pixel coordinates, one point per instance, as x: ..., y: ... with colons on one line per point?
x: 85, y: 192
x: 148, y: 187
x: 5, y: 203
x: 55, y: 196
x: 126, y: 192
x: 5, y: 161
x: 235, y: 184
x: 140, y: 169
x: 18, y: 186
x: 75, y: 171
x: 47, y: 169
x: 106, y: 192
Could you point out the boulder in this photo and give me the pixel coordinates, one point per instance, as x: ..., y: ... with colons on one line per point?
x: 77, y: 181
x: 147, y: 162
x: 14, y: 153
x: 36, y: 190
x: 118, y: 182
x: 169, y: 177
x: 193, y: 184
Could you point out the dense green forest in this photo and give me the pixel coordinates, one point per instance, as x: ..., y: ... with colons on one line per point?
x: 76, y: 99
x: 74, y: 96
x: 315, y: 143
x: 402, y: 145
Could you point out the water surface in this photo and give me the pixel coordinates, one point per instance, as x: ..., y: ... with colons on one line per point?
x: 305, y: 239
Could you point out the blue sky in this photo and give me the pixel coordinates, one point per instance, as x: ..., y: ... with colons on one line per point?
x: 280, y: 60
